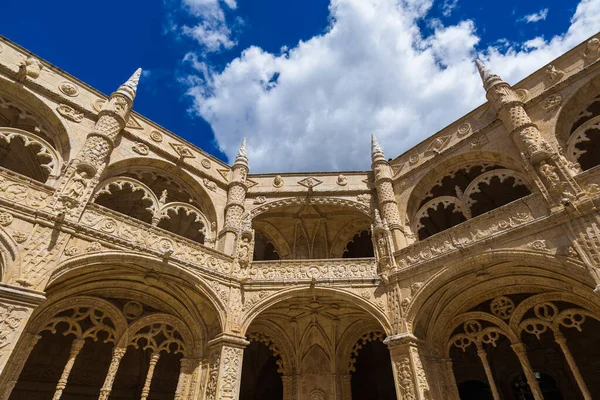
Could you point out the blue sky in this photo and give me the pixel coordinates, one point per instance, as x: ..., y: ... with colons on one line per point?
x: 306, y: 81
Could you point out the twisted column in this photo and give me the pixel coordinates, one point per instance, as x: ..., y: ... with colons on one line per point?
x: 118, y: 353
x: 146, y: 389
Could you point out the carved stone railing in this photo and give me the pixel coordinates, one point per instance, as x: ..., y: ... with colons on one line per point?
x: 22, y: 192
x: 472, y: 231
x: 590, y: 180
x: 345, y: 268
x: 145, y: 236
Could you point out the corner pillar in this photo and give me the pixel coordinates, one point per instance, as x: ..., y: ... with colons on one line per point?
x: 409, y: 376
x: 225, y: 367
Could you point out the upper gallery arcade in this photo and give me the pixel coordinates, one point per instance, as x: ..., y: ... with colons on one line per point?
x: 135, y: 265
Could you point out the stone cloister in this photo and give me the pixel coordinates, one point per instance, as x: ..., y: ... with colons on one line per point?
x: 136, y: 266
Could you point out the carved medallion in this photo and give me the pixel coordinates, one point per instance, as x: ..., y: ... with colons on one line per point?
x: 206, y: 163
x: 132, y: 309
x: 98, y: 104
x: 463, y: 129
x: 69, y: 89
x: 278, y: 181
x: 140, y: 148
x: 6, y: 219
x: 156, y: 136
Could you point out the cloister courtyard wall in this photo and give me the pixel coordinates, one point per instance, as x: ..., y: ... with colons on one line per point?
x: 135, y: 265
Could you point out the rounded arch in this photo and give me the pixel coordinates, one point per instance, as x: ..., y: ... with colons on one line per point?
x: 139, y: 167
x: 48, y: 157
x: 282, y: 342
x: 452, y: 165
x: 44, y: 115
x: 51, y: 308
x: 572, y: 105
x: 151, y: 320
x: 355, y: 299
x: 349, y: 339
x: 147, y: 276
x: 482, y: 278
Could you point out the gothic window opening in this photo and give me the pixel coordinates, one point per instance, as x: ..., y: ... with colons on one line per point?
x: 184, y: 222
x: 261, y: 377
x: 467, y: 193
x: 264, y: 249
x: 360, y: 246
x: 127, y: 198
x: 584, y: 141
x: 371, y: 369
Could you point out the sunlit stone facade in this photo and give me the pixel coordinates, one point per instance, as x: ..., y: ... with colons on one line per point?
x: 134, y: 265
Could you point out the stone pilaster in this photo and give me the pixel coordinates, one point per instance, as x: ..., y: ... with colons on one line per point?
x: 16, y: 306
x: 225, y: 367
x: 236, y: 195
x: 409, y: 375
x: 83, y: 173
x: 385, y: 194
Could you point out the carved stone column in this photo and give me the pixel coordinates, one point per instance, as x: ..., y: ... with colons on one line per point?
x: 289, y: 387
x: 409, y: 375
x: 550, y: 171
x: 521, y: 352
x: 236, y: 195
x: 146, y: 389
x: 562, y: 342
x: 488, y: 372
x: 344, y: 387
x: 118, y: 353
x: 226, y: 354
x: 76, y: 347
x: 444, y: 383
x: 385, y: 193
x: 83, y: 172
x: 187, y: 367
x: 16, y: 306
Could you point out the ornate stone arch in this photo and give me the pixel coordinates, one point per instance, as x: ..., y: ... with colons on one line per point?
x: 277, y: 342
x: 270, y: 231
x: 27, y: 100
x: 190, y: 210
x: 43, y: 316
x: 87, y: 271
x: 486, y: 177
x: 571, y: 105
x: 45, y: 150
x: 189, y: 183
x: 160, y: 324
x: 356, y: 333
x: 346, y: 234
x: 445, y: 202
x: 120, y: 182
x: 436, y: 174
x: 539, y: 272
x: 357, y: 300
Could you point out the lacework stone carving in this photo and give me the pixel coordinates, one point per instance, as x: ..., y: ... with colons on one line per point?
x: 262, y: 338
x: 405, y: 379
x: 24, y: 193
x: 359, y: 206
x: 159, y: 337
x: 308, y: 269
x: 363, y: 340
x: 75, y: 319
x: 11, y: 319
x: 70, y: 113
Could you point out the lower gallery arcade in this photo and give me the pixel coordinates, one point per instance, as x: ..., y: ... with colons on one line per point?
x: 139, y: 338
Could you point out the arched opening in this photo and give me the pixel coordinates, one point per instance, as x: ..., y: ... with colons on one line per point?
x: 261, y: 379
x: 264, y: 248
x: 583, y: 136
x: 127, y: 199
x: 302, y: 328
x: 372, y: 378
x: 547, y: 385
x: 87, y: 335
x: 464, y: 193
x: 184, y: 222
x: 360, y: 246
x: 28, y: 158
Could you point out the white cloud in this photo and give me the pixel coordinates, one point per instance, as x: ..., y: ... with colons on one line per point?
x: 313, y: 106
x: 536, y: 17
x: 448, y: 6
x: 211, y: 31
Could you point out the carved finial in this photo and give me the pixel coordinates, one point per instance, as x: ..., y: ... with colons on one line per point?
x: 129, y: 88
x: 242, y: 156
x: 488, y: 78
x: 376, y: 150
